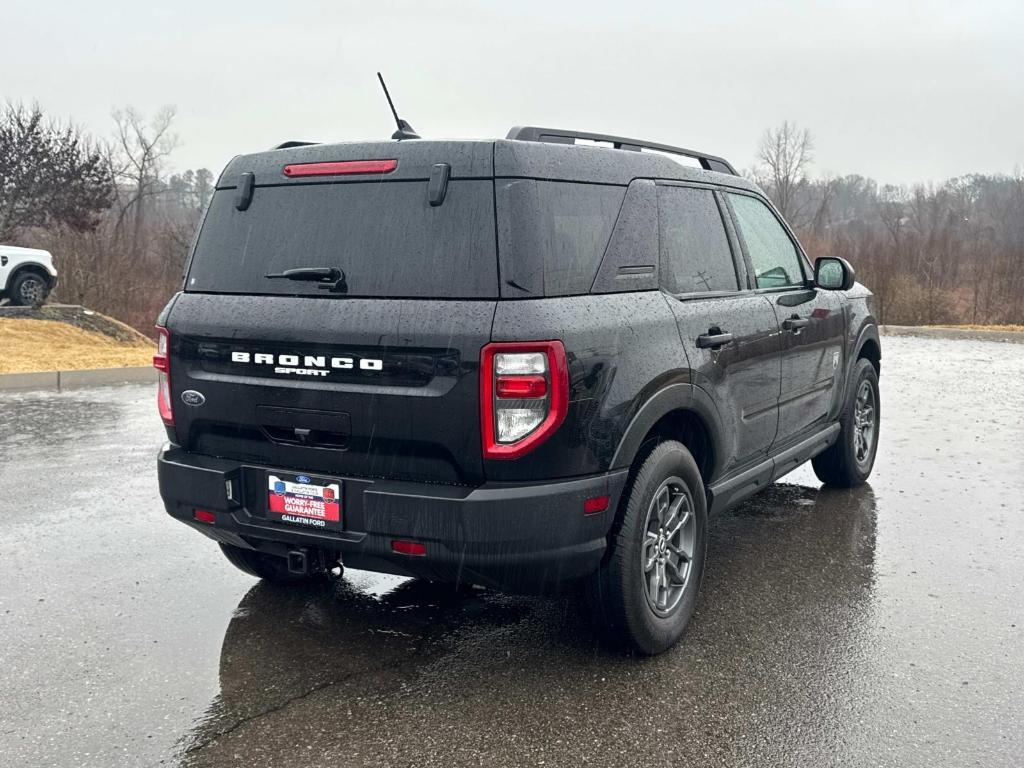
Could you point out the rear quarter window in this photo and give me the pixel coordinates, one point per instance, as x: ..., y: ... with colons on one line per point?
x: 552, y: 234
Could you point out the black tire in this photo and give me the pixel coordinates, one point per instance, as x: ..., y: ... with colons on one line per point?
x: 623, y: 586
x: 263, y: 566
x: 848, y: 462
x: 29, y: 289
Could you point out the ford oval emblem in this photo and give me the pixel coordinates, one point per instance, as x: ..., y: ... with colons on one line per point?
x: 193, y: 398
x: 302, y: 478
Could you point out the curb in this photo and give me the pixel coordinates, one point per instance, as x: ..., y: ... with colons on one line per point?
x: 62, y: 380
x: 1012, y: 337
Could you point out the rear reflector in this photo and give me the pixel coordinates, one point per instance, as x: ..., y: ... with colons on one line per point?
x: 595, y: 505
x: 340, y: 169
x: 203, y: 516
x: 409, y: 548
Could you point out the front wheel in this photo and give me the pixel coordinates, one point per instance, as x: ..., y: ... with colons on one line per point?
x: 647, y: 588
x: 848, y: 462
x: 29, y: 290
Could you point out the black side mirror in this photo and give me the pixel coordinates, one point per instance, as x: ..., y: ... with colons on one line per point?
x: 833, y: 274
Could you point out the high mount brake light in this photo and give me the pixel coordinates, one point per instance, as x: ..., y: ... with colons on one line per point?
x: 344, y: 168
x: 524, y: 396
x: 162, y: 363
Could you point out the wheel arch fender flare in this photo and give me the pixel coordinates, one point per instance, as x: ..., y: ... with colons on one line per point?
x: 868, y: 333
x: 30, y: 267
x: 676, y: 397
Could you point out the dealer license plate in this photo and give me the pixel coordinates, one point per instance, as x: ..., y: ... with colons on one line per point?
x: 302, y: 500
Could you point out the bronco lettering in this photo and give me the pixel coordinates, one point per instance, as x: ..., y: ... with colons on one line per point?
x: 311, y: 365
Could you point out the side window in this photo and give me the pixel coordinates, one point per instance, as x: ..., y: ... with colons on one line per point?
x: 552, y: 234
x: 695, y: 253
x: 576, y: 221
x: 774, y: 257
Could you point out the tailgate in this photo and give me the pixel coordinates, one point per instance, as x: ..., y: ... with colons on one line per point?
x: 352, y: 387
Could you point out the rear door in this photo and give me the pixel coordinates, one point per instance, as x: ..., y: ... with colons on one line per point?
x: 811, y: 320
x: 729, y: 333
x: 373, y: 374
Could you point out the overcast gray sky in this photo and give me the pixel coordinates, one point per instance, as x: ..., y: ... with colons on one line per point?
x: 900, y: 90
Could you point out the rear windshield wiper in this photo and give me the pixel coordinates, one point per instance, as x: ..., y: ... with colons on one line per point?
x: 319, y: 274
x: 332, y: 278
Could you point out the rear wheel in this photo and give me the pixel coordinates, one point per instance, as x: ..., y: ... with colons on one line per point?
x: 647, y: 589
x: 263, y: 566
x: 29, y: 289
x: 849, y: 461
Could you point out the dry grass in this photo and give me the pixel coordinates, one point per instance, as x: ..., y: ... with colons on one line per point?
x: 28, y: 346
x: 969, y: 327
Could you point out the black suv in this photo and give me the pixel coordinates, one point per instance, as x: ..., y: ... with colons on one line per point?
x: 514, y: 363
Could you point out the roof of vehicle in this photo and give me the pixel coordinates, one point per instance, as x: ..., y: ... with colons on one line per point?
x: 480, y: 159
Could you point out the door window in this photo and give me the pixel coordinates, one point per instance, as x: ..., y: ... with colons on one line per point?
x: 695, y: 253
x: 775, y: 259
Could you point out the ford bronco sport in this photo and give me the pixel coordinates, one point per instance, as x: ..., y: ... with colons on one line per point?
x: 516, y: 363
x: 27, y: 275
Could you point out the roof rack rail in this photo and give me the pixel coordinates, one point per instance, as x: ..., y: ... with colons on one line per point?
x: 558, y: 136
x: 290, y: 144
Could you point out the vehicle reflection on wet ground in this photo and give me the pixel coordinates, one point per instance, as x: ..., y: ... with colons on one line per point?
x: 879, y: 626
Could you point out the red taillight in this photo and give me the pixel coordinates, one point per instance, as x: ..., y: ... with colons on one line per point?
x: 344, y: 168
x: 524, y: 396
x: 204, y: 516
x: 595, y: 505
x: 416, y: 548
x: 162, y: 363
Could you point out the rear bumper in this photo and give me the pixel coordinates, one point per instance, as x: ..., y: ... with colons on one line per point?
x: 517, y: 537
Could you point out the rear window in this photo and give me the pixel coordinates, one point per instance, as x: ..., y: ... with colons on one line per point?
x: 386, y: 237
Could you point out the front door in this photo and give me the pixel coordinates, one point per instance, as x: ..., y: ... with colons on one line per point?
x: 811, y: 320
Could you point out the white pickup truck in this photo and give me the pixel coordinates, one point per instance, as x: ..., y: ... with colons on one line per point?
x: 27, y: 275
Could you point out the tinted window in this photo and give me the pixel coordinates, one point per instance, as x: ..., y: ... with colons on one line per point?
x: 385, y: 236
x: 774, y: 257
x: 695, y: 253
x: 553, y: 234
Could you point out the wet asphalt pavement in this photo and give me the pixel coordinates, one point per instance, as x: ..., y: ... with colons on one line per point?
x: 880, y: 626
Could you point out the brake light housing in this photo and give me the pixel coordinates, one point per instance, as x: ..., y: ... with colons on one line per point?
x: 524, y: 396
x: 162, y: 363
x: 340, y: 168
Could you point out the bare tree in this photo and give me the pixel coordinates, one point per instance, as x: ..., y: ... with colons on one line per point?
x: 138, y: 157
x: 783, y: 157
x: 822, y: 205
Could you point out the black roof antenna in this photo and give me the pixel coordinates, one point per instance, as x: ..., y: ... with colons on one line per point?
x: 405, y: 130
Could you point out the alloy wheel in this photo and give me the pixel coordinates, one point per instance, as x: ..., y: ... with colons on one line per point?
x: 670, y: 534
x: 31, y: 292
x: 865, y: 416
